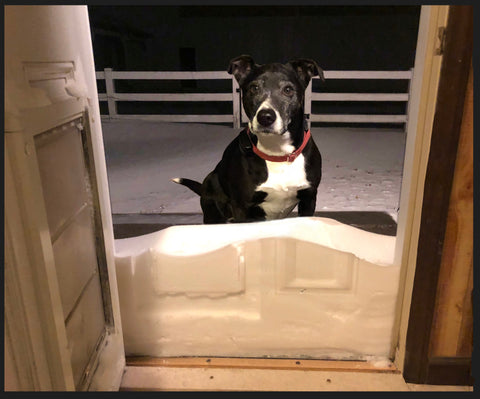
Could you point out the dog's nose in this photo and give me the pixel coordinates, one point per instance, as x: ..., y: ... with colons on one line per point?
x: 266, y: 117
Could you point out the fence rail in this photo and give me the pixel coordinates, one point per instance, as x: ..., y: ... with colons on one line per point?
x: 238, y: 115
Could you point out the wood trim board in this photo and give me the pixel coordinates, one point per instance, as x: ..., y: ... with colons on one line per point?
x: 263, y: 363
x: 438, y: 183
x: 450, y: 371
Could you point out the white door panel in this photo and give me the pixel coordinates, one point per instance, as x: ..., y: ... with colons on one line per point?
x: 60, y: 221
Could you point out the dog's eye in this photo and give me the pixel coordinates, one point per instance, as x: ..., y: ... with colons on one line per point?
x: 254, y: 88
x: 288, y: 91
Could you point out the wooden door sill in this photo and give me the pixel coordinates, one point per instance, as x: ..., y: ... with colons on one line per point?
x: 258, y: 374
x: 263, y: 363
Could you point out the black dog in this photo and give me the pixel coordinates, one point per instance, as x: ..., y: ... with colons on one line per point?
x: 273, y: 164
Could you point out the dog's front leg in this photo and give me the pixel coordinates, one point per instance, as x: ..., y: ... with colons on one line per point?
x: 308, y: 199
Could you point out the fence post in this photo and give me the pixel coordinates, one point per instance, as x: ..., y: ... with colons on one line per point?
x: 110, y: 89
x: 236, y: 103
x: 308, y: 103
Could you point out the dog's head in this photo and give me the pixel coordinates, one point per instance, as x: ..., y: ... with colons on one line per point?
x: 273, y: 94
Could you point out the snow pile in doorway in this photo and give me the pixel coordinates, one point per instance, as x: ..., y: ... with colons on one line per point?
x: 195, y: 240
x: 301, y: 287
x: 362, y: 168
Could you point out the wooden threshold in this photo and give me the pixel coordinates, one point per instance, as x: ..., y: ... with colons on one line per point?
x: 263, y: 363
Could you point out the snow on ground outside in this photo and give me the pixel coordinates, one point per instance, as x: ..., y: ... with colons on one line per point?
x: 362, y: 168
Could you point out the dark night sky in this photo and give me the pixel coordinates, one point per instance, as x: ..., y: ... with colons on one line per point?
x: 207, y: 37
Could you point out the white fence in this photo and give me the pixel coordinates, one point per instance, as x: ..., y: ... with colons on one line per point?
x: 238, y: 115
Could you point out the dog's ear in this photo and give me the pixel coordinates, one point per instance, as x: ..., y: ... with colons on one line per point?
x: 306, y: 69
x: 241, y: 67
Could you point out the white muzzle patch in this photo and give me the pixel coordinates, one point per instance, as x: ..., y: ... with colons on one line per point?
x: 277, y: 126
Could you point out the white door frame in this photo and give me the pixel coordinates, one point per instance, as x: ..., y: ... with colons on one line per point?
x: 424, y: 87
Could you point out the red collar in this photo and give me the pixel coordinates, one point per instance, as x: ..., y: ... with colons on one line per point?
x: 280, y: 158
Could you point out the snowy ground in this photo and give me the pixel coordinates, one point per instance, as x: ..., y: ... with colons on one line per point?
x: 362, y: 168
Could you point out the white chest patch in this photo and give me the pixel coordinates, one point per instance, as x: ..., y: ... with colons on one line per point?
x: 283, y: 181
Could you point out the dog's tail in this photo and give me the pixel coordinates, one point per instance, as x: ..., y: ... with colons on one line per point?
x: 193, y: 185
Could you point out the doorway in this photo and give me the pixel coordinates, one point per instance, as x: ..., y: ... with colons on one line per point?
x: 363, y: 161
x: 377, y: 184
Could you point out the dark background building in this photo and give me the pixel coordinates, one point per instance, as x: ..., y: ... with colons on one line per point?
x: 205, y: 38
